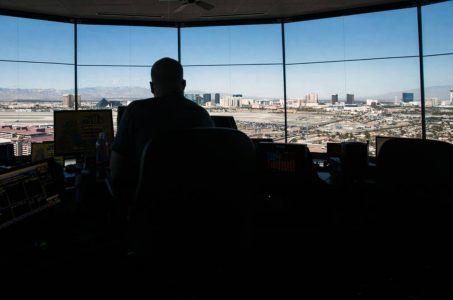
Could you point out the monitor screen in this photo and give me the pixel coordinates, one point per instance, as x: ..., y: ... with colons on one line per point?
x: 42, y: 151
x: 334, y: 150
x: 380, y: 140
x: 283, y: 158
x: 224, y: 121
x: 76, y: 132
x: 26, y: 191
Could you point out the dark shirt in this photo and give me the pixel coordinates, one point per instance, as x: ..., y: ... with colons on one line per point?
x: 147, y: 119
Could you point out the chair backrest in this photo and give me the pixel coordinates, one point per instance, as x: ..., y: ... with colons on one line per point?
x: 415, y: 190
x: 200, y: 156
x: 224, y: 122
x: 415, y: 162
x: 195, y: 190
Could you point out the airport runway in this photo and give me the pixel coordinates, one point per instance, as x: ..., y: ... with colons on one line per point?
x: 26, y: 118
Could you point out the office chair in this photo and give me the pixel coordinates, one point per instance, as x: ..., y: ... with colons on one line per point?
x: 414, y: 176
x: 416, y: 187
x: 224, y: 122
x: 415, y: 163
x: 194, y: 197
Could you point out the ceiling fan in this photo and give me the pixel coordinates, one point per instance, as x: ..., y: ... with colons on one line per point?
x: 185, y: 3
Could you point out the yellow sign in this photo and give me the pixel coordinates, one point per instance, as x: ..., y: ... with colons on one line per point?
x: 41, y: 151
x: 76, y: 132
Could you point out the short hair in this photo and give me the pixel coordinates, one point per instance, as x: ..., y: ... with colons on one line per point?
x: 166, y: 70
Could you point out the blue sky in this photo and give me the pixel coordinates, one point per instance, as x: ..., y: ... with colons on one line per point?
x: 392, y: 33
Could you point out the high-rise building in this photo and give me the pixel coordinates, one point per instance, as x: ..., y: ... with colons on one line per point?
x: 22, y: 147
x: 432, y: 102
x: 69, y: 100
x: 246, y: 102
x: 217, y: 98
x: 408, y: 97
x: 230, y: 101
x: 372, y: 102
x: 311, y: 98
x: 198, y: 99
x: 451, y: 97
x: 335, y: 99
x: 190, y: 97
x: 206, y: 98
x: 349, y: 98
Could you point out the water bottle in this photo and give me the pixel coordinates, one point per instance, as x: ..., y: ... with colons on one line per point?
x: 102, y: 156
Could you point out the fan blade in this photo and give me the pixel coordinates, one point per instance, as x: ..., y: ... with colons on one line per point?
x: 204, y: 5
x: 181, y: 8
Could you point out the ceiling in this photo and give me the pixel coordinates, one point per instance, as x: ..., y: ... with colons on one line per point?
x: 163, y: 12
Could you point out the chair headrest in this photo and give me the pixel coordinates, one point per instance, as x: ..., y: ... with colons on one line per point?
x: 416, y: 160
x: 200, y: 151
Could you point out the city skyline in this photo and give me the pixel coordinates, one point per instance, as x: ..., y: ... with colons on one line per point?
x: 440, y: 92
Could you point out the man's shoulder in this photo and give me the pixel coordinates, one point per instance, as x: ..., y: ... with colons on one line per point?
x: 193, y: 104
x: 140, y: 103
x: 138, y: 106
x: 155, y: 104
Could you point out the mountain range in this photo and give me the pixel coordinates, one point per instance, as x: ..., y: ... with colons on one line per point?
x: 126, y: 93
x: 442, y: 92
x: 90, y: 93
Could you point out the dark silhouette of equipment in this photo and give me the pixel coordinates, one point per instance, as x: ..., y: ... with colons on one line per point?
x: 380, y: 140
x: 27, y: 191
x: 334, y: 150
x: 6, y: 153
x: 354, y: 160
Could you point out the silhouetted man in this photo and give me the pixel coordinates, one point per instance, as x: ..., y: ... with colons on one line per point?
x: 147, y: 119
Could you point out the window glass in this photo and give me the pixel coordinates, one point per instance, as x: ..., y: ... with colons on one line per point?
x: 237, y: 71
x: 253, y: 95
x: 251, y: 44
x: 125, y: 45
x: 37, y: 74
x: 438, y: 66
x: 344, y: 84
x: 36, y: 40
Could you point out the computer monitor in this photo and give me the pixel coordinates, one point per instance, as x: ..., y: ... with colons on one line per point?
x: 6, y: 153
x: 380, y: 140
x: 224, y: 121
x: 76, y: 132
x: 42, y: 151
x: 284, y: 158
x: 334, y: 149
x: 27, y: 191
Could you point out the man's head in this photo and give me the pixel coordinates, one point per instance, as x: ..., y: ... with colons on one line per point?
x: 167, y: 78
